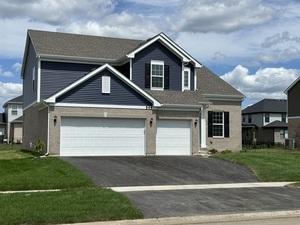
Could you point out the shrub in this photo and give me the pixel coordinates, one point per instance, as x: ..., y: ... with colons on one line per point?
x: 39, y: 147
x: 226, y: 151
x: 213, y: 151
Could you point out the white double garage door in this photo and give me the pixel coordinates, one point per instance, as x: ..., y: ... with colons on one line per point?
x: 121, y: 137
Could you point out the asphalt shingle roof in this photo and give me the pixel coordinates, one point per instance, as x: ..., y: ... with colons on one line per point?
x: 267, y: 105
x: 210, y: 83
x: 18, y: 99
x: 86, y: 46
x: 276, y: 124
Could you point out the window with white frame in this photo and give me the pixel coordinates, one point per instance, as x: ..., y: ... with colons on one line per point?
x: 157, y: 75
x: 14, y: 110
x: 218, y: 124
x: 186, y: 78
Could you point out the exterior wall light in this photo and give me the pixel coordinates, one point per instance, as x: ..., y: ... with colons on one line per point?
x: 195, y: 122
x: 54, y: 120
x: 151, y: 122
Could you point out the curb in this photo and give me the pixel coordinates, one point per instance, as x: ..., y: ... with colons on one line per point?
x: 238, y: 217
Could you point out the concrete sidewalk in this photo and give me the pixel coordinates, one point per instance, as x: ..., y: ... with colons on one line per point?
x: 201, y: 186
x: 261, y: 218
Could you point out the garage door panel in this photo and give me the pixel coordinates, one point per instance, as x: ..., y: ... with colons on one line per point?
x: 173, y: 137
x: 101, y: 136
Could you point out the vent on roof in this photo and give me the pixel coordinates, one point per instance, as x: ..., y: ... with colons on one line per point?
x: 105, y: 84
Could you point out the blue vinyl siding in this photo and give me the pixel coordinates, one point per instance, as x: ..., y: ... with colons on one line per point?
x: 90, y: 92
x: 58, y: 75
x: 158, y: 51
x: 29, y: 94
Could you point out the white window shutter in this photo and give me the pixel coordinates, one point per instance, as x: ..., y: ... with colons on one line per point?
x: 106, y: 84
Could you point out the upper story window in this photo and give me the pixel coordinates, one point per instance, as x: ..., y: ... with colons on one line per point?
x: 218, y: 124
x: 33, y: 78
x: 283, y: 117
x: 187, y: 78
x: 14, y: 110
x: 249, y: 119
x: 157, y: 75
x: 244, y: 119
x: 267, y: 117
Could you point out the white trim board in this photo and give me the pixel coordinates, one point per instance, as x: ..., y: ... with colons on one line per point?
x: 169, y: 44
x: 52, y: 99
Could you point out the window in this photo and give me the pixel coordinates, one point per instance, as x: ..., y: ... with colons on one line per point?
x: 249, y: 119
x: 157, y: 75
x: 282, y: 134
x: 105, y: 84
x: 267, y: 117
x: 283, y: 117
x: 33, y: 78
x: 218, y: 124
x: 244, y: 119
x: 14, y: 110
x: 186, y: 78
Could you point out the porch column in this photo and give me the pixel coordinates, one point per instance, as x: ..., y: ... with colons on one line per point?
x: 203, y: 127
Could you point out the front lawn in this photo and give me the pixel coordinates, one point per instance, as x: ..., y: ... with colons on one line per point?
x: 21, y: 170
x: 68, y: 206
x: 268, y: 165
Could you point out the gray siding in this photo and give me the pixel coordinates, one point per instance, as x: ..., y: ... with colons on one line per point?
x: 89, y: 92
x: 29, y: 94
x: 293, y: 100
x: 58, y: 75
x: 157, y: 51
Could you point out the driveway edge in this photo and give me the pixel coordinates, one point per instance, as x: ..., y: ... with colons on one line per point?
x: 201, y: 219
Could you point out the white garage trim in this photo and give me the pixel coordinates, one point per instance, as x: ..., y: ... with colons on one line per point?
x: 173, y: 137
x: 85, y: 136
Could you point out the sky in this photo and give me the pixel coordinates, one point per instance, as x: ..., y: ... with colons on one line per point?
x: 252, y: 44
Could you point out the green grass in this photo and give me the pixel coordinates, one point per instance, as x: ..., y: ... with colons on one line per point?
x: 69, y: 206
x: 268, y: 165
x: 40, y: 173
x: 6, y: 147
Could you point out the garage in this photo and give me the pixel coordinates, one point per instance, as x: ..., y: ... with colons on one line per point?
x: 102, y: 137
x: 173, y: 137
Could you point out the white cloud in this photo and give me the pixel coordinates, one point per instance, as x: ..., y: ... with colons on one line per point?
x: 279, y: 55
x: 5, y: 73
x: 8, y: 91
x: 280, y: 38
x: 222, y: 16
x: 55, y: 12
x: 116, y: 25
x: 17, y: 67
x: 264, y: 83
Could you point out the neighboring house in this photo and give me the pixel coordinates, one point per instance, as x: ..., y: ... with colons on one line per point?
x: 293, y: 95
x: 265, y: 122
x: 13, y: 110
x: 91, y: 95
x: 2, y: 127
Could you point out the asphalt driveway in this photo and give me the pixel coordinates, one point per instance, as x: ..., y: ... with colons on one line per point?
x: 160, y: 170
x: 214, y: 201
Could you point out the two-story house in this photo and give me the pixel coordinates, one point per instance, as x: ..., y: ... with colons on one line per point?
x: 13, y: 111
x: 265, y: 122
x: 293, y: 95
x: 91, y: 95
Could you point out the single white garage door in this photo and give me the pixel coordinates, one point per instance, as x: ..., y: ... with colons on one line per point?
x: 102, y: 137
x: 173, y: 137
